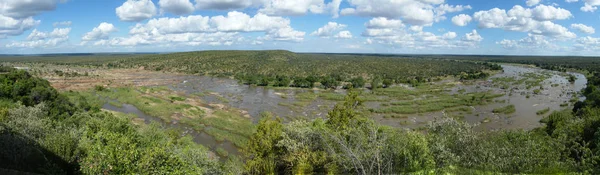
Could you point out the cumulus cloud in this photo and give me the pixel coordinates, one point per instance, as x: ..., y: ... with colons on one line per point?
x: 473, y: 37
x: 381, y: 22
x: 449, y: 35
x: 101, y: 32
x: 343, y: 35
x: 392, y: 32
x: 441, y: 10
x: 537, y: 20
x: 533, y: 2
x: 241, y: 22
x: 39, y: 39
x: 26, y: 8
x: 461, y: 20
x: 329, y: 29
x: 136, y: 10
x: 529, y: 42
x: 587, y: 43
x: 583, y: 28
x: 274, y: 7
x: 414, y: 12
x: 226, y: 4
x: 12, y: 27
x: 56, y: 33
x: 299, y: 7
x: 177, y: 7
x: 197, y: 30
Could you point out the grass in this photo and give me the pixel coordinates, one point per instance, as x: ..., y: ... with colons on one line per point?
x: 543, y: 111
x: 226, y: 125
x: 177, y: 98
x: 422, y: 103
x: 505, y: 110
x: 222, y: 152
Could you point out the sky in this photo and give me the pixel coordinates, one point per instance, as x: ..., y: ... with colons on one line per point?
x: 481, y: 27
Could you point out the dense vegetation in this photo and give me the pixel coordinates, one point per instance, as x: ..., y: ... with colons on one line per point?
x: 42, y: 131
x: 284, y: 69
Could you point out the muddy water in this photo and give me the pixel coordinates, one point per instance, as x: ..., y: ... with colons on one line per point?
x: 253, y: 99
x: 259, y: 99
x: 256, y: 100
x: 199, y: 137
x: 525, y: 116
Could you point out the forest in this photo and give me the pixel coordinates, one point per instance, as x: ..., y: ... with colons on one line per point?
x: 287, y: 69
x: 45, y: 131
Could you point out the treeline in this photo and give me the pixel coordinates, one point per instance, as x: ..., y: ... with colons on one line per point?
x: 45, y: 132
x: 283, y: 68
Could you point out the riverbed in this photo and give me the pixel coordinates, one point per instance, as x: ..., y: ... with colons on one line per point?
x: 555, y: 91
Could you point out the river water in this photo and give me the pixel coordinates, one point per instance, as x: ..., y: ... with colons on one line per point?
x: 256, y: 100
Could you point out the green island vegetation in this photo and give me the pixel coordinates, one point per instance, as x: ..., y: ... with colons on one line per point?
x: 45, y: 131
x: 505, y: 110
x: 543, y: 111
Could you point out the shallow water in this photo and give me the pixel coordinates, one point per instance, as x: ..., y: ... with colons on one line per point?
x: 525, y: 116
x: 256, y: 100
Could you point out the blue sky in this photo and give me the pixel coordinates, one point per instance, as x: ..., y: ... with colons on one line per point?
x: 499, y: 27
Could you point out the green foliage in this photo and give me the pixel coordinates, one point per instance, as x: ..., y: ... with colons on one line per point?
x: 34, y: 140
x: 505, y: 110
x: 543, y: 111
x: 262, y: 147
x: 20, y: 86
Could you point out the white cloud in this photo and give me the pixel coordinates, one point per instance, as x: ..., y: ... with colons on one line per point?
x: 62, y: 23
x: 225, y: 4
x: 193, y: 23
x: 588, y: 8
x: 449, y: 35
x: 414, y: 12
x: 461, y: 20
x: 285, y: 34
x: 100, y: 32
x: 177, y: 7
x: 136, y: 10
x: 381, y: 22
x: 532, y: 2
x: 536, y: 21
x: 441, y: 10
x: 198, y: 30
x: 583, y: 28
x: 343, y: 34
x: 299, y: 7
x: 530, y: 42
x: 587, y: 43
x: 473, y: 37
x: 241, y: 22
x: 12, y: 27
x: 547, y: 13
x: 38, y: 39
x: 26, y: 8
x: 56, y: 33
x: 329, y: 29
